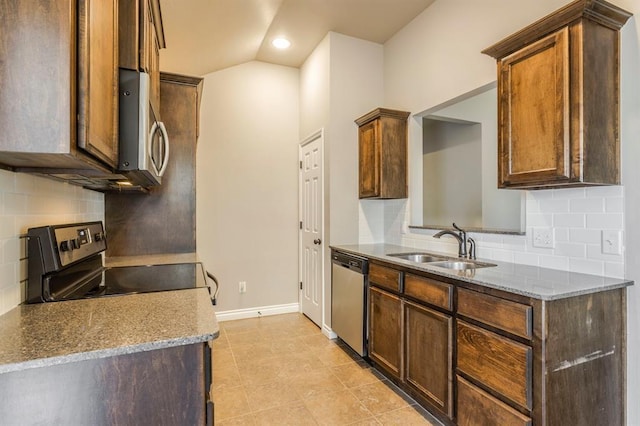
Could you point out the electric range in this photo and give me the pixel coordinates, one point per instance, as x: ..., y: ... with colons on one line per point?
x: 65, y: 262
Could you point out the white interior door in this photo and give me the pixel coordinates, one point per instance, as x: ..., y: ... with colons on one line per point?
x: 311, y: 228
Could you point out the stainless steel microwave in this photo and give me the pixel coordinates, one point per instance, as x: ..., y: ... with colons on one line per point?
x: 143, y: 140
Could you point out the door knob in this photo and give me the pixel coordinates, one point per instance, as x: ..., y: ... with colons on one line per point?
x: 317, y: 241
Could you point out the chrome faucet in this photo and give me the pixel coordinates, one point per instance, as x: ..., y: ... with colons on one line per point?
x: 461, y: 236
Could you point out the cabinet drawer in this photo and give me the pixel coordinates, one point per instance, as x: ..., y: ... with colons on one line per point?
x: 509, y: 316
x: 429, y: 291
x: 476, y: 407
x: 500, y: 363
x: 384, y: 277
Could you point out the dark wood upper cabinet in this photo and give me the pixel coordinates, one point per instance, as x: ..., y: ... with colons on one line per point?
x: 98, y: 80
x: 136, y: 222
x: 382, y: 144
x: 141, y: 38
x: 558, y: 99
x: 59, y: 73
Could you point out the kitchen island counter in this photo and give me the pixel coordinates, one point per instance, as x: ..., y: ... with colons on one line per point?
x: 48, y: 334
x: 531, y: 281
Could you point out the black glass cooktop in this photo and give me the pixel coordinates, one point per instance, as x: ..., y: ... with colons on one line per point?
x: 143, y: 279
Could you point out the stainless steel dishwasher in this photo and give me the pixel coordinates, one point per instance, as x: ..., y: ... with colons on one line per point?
x: 348, y: 299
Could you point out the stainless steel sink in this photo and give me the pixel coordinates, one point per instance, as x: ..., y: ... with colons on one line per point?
x: 418, y: 257
x: 461, y: 265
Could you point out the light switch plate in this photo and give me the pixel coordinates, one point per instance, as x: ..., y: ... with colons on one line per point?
x: 611, y: 242
x: 543, y: 237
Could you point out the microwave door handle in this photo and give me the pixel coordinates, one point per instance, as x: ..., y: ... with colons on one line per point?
x: 154, y: 128
x: 165, y: 139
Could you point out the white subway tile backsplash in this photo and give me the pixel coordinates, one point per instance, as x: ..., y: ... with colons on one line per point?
x: 561, y: 235
x: 539, y: 195
x: 7, y: 226
x: 502, y: 255
x: 586, y: 205
x: 28, y: 201
x: 11, y: 249
x: 614, y: 269
x: 554, y: 205
x: 614, y: 205
x: 605, y: 191
x: 15, y: 204
x: 582, y: 235
x: 539, y: 220
x: 570, y: 250
x: 576, y: 216
x: 554, y: 262
x: 7, y: 181
x: 594, y: 251
x: 526, y: 258
x: 8, y: 276
x: 570, y: 220
x: 605, y: 221
x: 568, y: 193
x: 586, y: 266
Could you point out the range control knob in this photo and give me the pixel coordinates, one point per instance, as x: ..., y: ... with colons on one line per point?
x: 64, y: 246
x: 74, y: 243
x: 99, y: 236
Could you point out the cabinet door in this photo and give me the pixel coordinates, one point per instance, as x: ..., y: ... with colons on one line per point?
x: 534, y: 134
x: 476, y: 407
x: 385, y: 327
x: 369, y: 167
x: 429, y: 354
x: 500, y: 364
x: 98, y: 79
x: 150, y: 52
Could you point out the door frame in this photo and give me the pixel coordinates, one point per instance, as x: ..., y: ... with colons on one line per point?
x: 318, y: 134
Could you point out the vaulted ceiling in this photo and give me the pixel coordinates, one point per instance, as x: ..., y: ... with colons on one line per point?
x: 208, y: 35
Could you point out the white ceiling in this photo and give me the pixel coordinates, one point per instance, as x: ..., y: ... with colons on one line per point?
x: 208, y: 35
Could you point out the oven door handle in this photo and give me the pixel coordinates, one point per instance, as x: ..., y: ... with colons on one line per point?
x: 214, y: 298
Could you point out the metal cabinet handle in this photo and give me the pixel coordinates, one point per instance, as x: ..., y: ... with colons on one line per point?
x: 317, y: 241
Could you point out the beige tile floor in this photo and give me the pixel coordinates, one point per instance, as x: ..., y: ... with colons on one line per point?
x: 281, y: 370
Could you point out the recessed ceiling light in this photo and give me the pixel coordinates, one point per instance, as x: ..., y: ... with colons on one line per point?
x: 281, y: 43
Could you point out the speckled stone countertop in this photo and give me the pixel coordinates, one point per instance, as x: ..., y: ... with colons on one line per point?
x: 530, y: 281
x: 54, y: 333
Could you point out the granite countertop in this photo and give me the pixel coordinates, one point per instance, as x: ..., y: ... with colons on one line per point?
x: 530, y: 281
x: 46, y: 334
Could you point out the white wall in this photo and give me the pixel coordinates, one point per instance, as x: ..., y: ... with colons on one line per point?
x: 437, y: 57
x: 27, y: 201
x: 340, y: 81
x: 247, y: 180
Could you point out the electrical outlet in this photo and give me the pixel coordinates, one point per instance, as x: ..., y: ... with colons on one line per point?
x: 611, y: 242
x: 242, y: 286
x: 543, y: 237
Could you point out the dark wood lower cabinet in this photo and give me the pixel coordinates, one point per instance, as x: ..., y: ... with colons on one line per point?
x: 164, y: 386
x: 429, y: 355
x: 385, y: 342
x: 478, y: 408
x: 473, y: 355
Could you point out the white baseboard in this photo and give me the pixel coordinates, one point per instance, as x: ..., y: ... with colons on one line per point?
x: 260, y: 311
x: 328, y: 332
